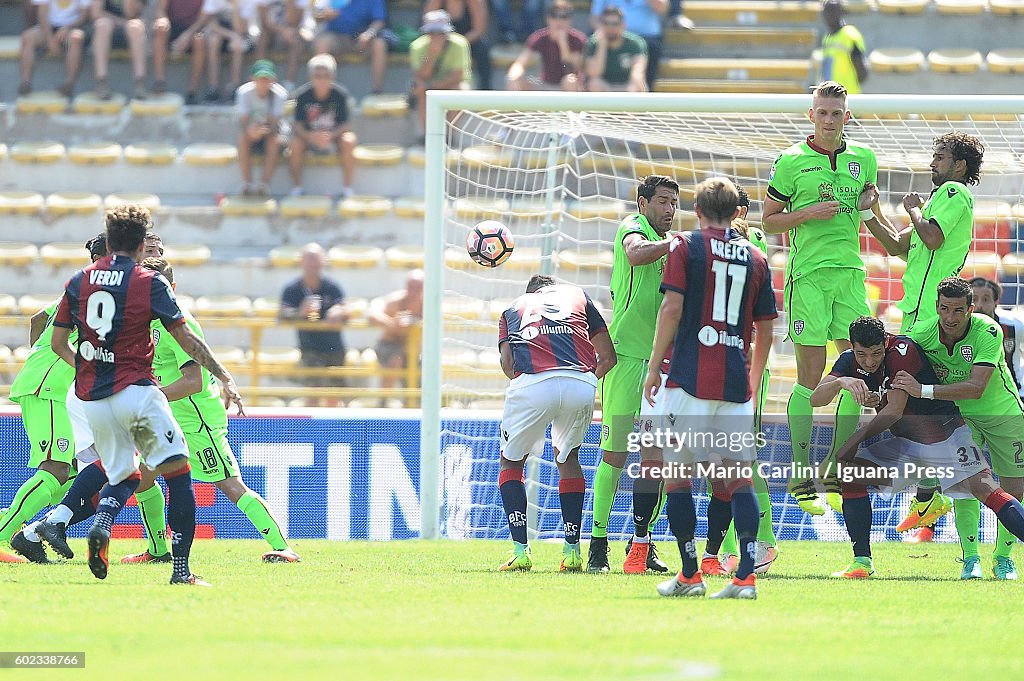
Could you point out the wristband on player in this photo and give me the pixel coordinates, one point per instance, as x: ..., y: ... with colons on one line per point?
x: 867, y: 214
x: 928, y: 392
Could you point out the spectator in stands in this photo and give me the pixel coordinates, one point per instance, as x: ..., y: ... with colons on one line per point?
x: 177, y: 24
x: 259, y: 105
x: 470, y: 19
x: 356, y: 26
x: 560, y: 47
x: 279, y: 21
x: 529, y: 19
x: 679, y: 20
x: 440, y: 60
x: 616, y: 58
x: 228, y: 25
x: 117, y: 23
x: 644, y: 17
x: 316, y: 298
x: 322, y: 123
x: 842, y: 50
x: 61, y: 27
x: 397, y: 313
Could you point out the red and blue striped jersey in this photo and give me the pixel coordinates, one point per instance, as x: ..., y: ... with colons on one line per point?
x: 726, y: 287
x: 551, y: 329
x: 111, y: 303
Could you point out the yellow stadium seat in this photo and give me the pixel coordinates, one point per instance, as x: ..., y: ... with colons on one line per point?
x: 486, y: 156
x: 279, y: 356
x: 17, y: 253
x: 354, y: 257
x: 10, y: 47
x: 963, y: 7
x: 462, y: 308
x: 896, y: 60
x: 859, y: 6
x: 705, y: 12
x: 305, y: 206
x: 1013, y: 263
x: 535, y: 207
x: 185, y: 302
x: 982, y: 264
x: 62, y: 254
x: 385, y: 106
x: 43, y: 102
x: 585, y: 259
x: 525, y: 258
x: 21, y: 202
x: 187, y: 255
x: 37, y: 152
x: 210, y: 154
x: 416, y: 156
x: 457, y: 357
x: 285, y: 256
x: 480, y: 208
x: 167, y: 104
x: 1006, y: 7
x: 95, y: 153
x: 73, y: 203
x: 609, y: 209
x: 6, y: 356
x: 8, y: 303
x: 248, y: 206
x: 488, y: 359
x: 89, y: 103
x: 356, y: 307
x: 733, y: 69
x: 409, y: 207
x: 150, y: 153
x: 497, y: 307
x: 715, y: 85
x: 364, y: 207
x: 1006, y: 61
x: 954, y: 60
x: 379, y: 154
x: 223, y: 306
x: 902, y: 6
x: 266, y: 306
x: 3, y: 151
x: 21, y: 352
x: 31, y: 303
x: 229, y: 354
x: 502, y: 56
x: 404, y: 257
x: 150, y: 201
x: 353, y: 358
x: 457, y: 258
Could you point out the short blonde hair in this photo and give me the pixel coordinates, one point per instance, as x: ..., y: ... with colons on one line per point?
x: 322, y: 61
x: 717, y: 199
x: 829, y: 89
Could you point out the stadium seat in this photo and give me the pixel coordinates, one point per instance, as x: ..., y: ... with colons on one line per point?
x: 409, y: 207
x: 954, y: 60
x: 859, y: 6
x: 210, y: 154
x: 306, y: 206
x: 534, y: 207
x: 962, y: 7
x: 1012, y: 279
x: 981, y: 264
x: 1006, y: 7
x: 379, y: 154
x: 255, y: 206
x: 735, y: 69
x: 17, y: 253
x: 31, y: 303
x: 416, y: 156
x: 229, y: 354
x: 21, y: 202
x: 20, y: 353
x: 353, y: 358
x: 279, y: 356
x: 150, y: 201
x: 354, y: 257
x: 1006, y: 61
x: 385, y: 106
x: 462, y: 308
x: 266, y: 307
x: 502, y: 56
x: 10, y: 47
x: 896, y: 60
x: 89, y: 103
x: 8, y: 303
x: 223, y: 306
x: 486, y: 156
x: 745, y: 12
x: 902, y: 6
x: 748, y: 36
x: 457, y: 357
x: 73, y: 203
x: 525, y: 258
x: 404, y: 257
x: 586, y: 259
x: 285, y: 256
x: 597, y: 162
x: 356, y: 307
x: 364, y: 207
x: 47, y: 102
x: 3, y: 151
x: 95, y: 153
x: 480, y: 208
x: 609, y: 209
x: 716, y: 85
x: 187, y: 255
x: 185, y: 302
x: 36, y: 152
x: 150, y: 153
x: 167, y: 104
x: 457, y: 258
x: 497, y: 306
x: 6, y: 355
x: 64, y: 254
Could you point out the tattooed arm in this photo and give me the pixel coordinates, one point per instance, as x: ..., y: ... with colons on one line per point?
x: 197, y: 349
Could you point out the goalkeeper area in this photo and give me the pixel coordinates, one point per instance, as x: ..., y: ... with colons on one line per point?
x: 437, y: 611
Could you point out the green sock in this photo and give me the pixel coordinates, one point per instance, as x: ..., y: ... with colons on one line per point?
x: 606, y: 483
x: 847, y: 418
x: 1004, y: 541
x: 31, y: 498
x: 765, y: 528
x: 967, y: 517
x: 657, y: 509
x: 253, y: 506
x: 58, y: 496
x: 801, y: 417
x: 151, y: 508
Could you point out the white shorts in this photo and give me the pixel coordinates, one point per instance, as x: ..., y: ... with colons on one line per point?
x: 953, y: 460
x: 707, y: 430
x: 80, y: 429
x: 137, y: 418
x: 566, y: 403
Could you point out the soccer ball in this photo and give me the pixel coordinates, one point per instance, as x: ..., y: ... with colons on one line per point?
x: 490, y: 243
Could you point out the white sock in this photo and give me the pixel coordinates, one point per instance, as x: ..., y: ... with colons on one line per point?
x: 60, y: 515
x: 30, y: 532
x: 642, y: 540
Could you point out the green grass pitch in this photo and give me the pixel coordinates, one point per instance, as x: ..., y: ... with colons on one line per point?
x: 438, y: 610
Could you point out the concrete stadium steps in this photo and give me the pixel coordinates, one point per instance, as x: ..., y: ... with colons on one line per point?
x: 712, y: 85
x: 929, y: 28
x: 736, y: 41
x: 747, y: 12
x: 737, y: 69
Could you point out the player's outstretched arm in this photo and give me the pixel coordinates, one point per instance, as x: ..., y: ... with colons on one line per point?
x: 60, y: 345
x: 775, y: 221
x: 895, y: 242
x: 971, y: 389
x: 664, y: 332
x: 196, y: 348
x: 886, y: 417
x: 640, y: 251
x: 606, y: 357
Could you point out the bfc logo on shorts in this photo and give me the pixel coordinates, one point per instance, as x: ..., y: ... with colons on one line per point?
x: 967, y: 352
x: 798, y: 326
x: 854, y: 169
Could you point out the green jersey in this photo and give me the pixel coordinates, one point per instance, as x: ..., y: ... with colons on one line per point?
x: 757, y: 237
x: 951, y: 207
x: 983, y: 345
x: 195, y: 411
x: 45, y: 374
x: 636, y: 293
x: 804, y: 175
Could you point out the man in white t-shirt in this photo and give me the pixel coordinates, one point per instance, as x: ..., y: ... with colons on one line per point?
x: 61, y: 27
x: 259, y: 105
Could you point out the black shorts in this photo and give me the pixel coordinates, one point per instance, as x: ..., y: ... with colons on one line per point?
x: 323, y: 358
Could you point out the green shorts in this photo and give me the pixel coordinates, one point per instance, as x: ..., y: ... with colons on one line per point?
x: 621, y: 391
x: 49, y: 430
x: 1004, y: 436
x: 210, y: 455
x: 821, y: 304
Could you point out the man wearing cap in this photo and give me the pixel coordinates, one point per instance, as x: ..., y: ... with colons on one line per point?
x: 259, y: 106
x: 440, y: 60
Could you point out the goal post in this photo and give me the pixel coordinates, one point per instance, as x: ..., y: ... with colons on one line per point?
x: 621, y: 134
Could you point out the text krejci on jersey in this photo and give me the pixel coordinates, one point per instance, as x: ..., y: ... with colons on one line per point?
x: 730, y: 251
